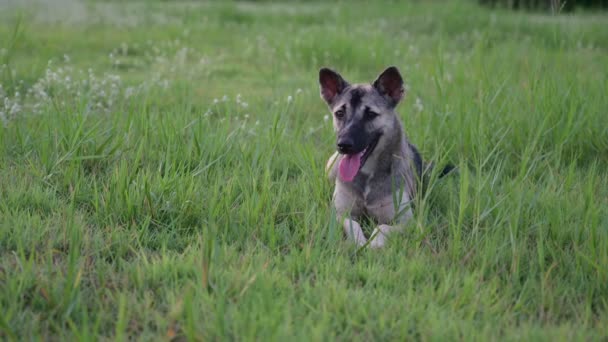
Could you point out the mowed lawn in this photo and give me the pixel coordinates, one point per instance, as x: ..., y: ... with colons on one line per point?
x: 162, y: 173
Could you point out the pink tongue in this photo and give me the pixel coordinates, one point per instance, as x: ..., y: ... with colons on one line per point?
x: 349, y: 166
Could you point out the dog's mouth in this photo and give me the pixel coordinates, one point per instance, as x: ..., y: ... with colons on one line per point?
x: 350, y: 164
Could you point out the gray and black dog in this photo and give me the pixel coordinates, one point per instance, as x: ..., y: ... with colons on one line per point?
x: 376, y: 169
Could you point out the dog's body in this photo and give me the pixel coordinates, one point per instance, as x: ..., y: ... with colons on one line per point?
x: 376, y: 169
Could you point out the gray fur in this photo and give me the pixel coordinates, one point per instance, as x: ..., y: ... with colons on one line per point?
x: 394, y: 163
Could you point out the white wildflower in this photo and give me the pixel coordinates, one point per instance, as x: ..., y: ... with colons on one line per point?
x: 326, y: 118
x: 418, y: 105
x: 289, y: 99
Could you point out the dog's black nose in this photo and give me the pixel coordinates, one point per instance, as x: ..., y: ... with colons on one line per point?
x: 345, y: 146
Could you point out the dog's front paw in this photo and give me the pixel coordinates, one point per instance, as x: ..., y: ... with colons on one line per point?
x: 380, y: 235
x: 354, y: 232
x: 360, y: 241
x: 357, y: 237
x: 379, y: 240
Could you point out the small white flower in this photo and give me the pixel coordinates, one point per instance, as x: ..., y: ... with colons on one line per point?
x: 257, y: 122
x: 289, y: 99
x: 299, y: 90
x: 225, y: 98
x: 326, y: 118
x: 246, y: 116
x: 418, y: 105
x: 244, y: 104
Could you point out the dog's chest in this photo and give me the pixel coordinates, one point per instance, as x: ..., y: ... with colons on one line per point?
x: 374, y: 192
x: 366, y: 188
x: 367, y: 195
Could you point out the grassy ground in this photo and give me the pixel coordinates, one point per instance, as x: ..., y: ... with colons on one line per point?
x: 161, y: 173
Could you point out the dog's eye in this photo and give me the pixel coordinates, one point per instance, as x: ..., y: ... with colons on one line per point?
x: 339, y: 113
x: 370, y: 114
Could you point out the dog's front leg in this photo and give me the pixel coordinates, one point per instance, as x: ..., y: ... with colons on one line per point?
x: 380, y: 235
x: 346, y: 210
x: 382, y: 232
x: 354, y: 232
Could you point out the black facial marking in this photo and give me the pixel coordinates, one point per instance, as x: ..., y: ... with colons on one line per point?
x: 359, y: 136
x: 355, y: 134
x: 355, y: 98
x: 369, y: 114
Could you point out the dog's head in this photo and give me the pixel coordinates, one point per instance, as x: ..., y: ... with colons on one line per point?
x: 362, y: 114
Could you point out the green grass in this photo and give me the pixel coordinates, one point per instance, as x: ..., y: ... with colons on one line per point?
x: 136, y: 202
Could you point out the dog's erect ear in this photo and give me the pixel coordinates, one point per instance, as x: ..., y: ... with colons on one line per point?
x: 332, y: 84
x: 390, y: 83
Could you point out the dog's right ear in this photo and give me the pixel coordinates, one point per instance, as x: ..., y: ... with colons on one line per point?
x: 332, y: 84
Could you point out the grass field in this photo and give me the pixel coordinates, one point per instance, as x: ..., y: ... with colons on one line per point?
x: 161, y: 173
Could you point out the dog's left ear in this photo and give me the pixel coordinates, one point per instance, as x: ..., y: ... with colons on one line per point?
x: 390, y: 84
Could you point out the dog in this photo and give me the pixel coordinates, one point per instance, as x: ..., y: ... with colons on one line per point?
x: 375, y: 168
